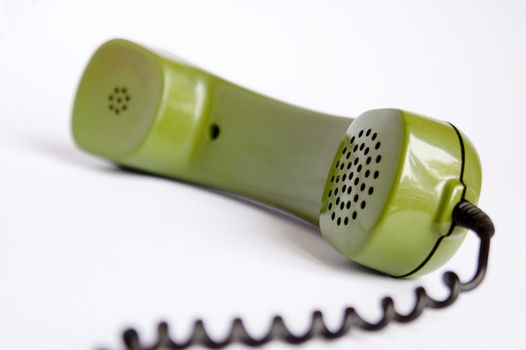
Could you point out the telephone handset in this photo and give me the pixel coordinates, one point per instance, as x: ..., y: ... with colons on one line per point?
x: 390, y: 190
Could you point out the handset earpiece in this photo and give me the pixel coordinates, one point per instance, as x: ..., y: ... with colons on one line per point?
x: 382, y: 187
x: 392, y: 188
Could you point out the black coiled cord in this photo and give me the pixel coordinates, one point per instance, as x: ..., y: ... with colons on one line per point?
x: 465, y: 215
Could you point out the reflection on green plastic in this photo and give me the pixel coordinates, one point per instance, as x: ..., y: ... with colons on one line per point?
x: 145, y: 110
x: 409, y: 212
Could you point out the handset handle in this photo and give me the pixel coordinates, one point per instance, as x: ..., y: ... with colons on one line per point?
x: 152, y: 112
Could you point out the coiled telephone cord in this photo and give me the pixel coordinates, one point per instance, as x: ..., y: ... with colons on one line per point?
x: 465, y: 214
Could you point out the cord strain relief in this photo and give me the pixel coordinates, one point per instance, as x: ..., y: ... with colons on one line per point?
x: 473, y: 218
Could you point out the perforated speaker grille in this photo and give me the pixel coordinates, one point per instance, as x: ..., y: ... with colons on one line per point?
x: 118, y: 100
x: 354, y: 177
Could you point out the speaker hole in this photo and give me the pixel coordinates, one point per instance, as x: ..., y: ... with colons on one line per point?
x: 213, y: 132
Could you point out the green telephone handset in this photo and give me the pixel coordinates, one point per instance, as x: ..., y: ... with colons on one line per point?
x: 390, y: 190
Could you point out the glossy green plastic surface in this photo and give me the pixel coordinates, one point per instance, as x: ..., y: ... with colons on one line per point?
x: 140, y: 108
x: 185, y: 123
x: 398, y: 188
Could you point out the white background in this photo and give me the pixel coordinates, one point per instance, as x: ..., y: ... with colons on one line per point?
x: 86, y: 250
